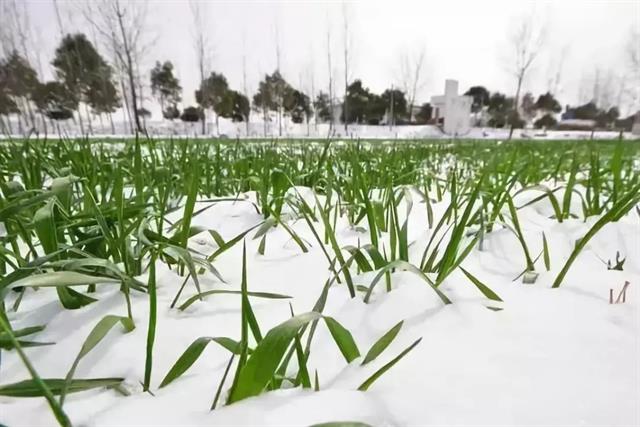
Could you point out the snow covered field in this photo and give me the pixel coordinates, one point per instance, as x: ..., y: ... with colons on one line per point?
x: 535, y: 355
x: 257, y: 129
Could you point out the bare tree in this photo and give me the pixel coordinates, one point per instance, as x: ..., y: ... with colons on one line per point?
x: 244, y: 78
x: 61, y: 31
x: 347, y: 62
x: 554, y: 79
x: 607, y: 90
x: 526, y: 42
x: 312, y: 88
x: 307, y: 86
x: 279, y: 95
x: 202, y: 47
x: 122, y: 26
x: 7, y: 39
x: 6, y: 46
x: 411, y: 76
x: 596, y: 86
x: 633, y: 55
x: 584, y: 90
x: 16, y: 36
x: 141, y: 98
x: 330, y: 69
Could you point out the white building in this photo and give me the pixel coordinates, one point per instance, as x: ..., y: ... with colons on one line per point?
x: 454, y: 109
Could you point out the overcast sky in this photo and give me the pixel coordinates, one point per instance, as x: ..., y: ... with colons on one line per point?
x: 464, y: 40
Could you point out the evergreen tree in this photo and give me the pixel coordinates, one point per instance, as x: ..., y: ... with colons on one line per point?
x: 322, y: 106
x: 18, y: 81
x: 192, y: 114
x: 54, y: 100
x: 480, y: 98
x: 502, y: 112
x: 425, y: 113
x: 547, y: 121
x: 171, y: 112
x: 528, y: 106
x: 548, y: 103
x: 241, y: 107
x: 213, y: 94
x: 102, y: 95
x: 363, y: 105
x: 297, y: 104
x: 80, y: 67
x: 271, y: 96
x: 165, y: 87
x: 399, y: 101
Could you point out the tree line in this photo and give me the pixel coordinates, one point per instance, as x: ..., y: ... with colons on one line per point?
x: 498, y: 110
x: 85, y: 80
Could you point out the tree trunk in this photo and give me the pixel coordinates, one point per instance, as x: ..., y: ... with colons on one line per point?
x: 132, y: 80
x: 218, y: 124
x: 113, y: 128
x: 89, y: 124
x: 345, y: 110
x: 134, y: 96
x: 412, y: 116
x: 20, y: 128
x: 80, y: 121
x: 44, y: 123
x: 127, y: 108
x: 32, y: 116
x: 516, y: 100
x: 391, y: 113
x: 264, y: 121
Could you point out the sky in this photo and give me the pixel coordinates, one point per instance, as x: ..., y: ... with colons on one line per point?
x: 463, y: 40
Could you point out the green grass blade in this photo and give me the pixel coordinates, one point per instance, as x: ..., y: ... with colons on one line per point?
x: 403, y: 265
x: 31, y: 388
x: 200, y: 296
x: 36, y: 386
x: 365, y: 385
x: 61, y: 278
x: 193, y: 352
x: 545, y: 252
x: 486, y: 291
x: 96, y: 335
x: 343, y: 339
x: 624, y: 204
x: 264, y: 360
x: 383, y: 342
x: 151, y: 329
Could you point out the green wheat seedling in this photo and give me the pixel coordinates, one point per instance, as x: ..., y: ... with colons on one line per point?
x: 82, y: 218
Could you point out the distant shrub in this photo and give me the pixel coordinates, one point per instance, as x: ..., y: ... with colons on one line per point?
x: 170, y: 113
x: 192, y: 114
x: 143, y: 112
x: 61, y: 114
x: 547, y: 121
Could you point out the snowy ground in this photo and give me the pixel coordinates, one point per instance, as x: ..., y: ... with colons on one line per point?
x: 257, y: 129
x: 550, y: 357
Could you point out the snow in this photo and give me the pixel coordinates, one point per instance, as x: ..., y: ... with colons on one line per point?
x: 551, y: 357
x: 257, y: 129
